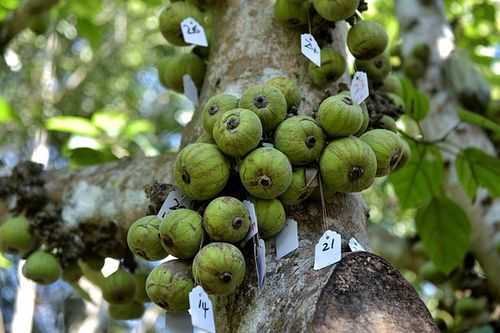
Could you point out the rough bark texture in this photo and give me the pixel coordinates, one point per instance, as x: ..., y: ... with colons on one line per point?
x: 428, y: 24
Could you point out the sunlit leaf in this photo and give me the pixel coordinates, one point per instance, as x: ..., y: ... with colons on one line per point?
x: 87, y: 156
x: 111, y: 122
x: 445, y: 231
x: 6, y: 113
x: 477, y: 119
x: 72, y: 124
x: 4, y: 262
x: 140, y: 126
x: 476, y: 169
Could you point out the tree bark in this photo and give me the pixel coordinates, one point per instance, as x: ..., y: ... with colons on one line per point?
x: 428, y: 24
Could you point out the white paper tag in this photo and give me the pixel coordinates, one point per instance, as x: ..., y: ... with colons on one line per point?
x: 201, y: 309
x: 253, y: 229
x: 310, y: 48
x: 175, y: 200
x: 190, y: 90
x: 260, y: 261
x: 328, y: 250
x: 359, y: 87
x: 287, y: 240
x: 110, y: 266
x: 355, y: 246
x: 193, y: 32
x: 178, y: 322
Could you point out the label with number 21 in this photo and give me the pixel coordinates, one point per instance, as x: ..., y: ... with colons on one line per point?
x: 328, y: 250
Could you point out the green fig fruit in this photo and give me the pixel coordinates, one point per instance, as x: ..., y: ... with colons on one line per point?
x: 226, y: 219
x: 298, y: 191
x: 171, y: 18
x: 128, y: 311
x: 143, y: 238
x: 289, y: 89
x: 169, y: 284
x: 72, y: 273
x: 470, y: 307
x: 348, y: 165
x: 219, y: 268
x: 405, y: 153
x: 339, y: 116
x: 377, y: 69
x: 171, y: 70
x: 267, y: 102
x: 15, y: 236
x: 205, y: 138
x: 366, y: 120
x: 181, y: 233
x: 271, y: 216
x: 42, y: 267
x: 423, y: 52
x: 387, y: 147
x: 392, y: 84
x: 366, y: 40
x: 266, y: 173
x: 201, y: 171
x: 388, y: 123
x: 93, y: 262
x: 292, y: 13
x: 215, y: 107
x: 333, y: 66
x: 413, y: 68
x: 397, y: 101
x: 300, y: 138
x: 237, y: 132
x: 336, y: 10
x: 119, y: 287
x: 140, y: 277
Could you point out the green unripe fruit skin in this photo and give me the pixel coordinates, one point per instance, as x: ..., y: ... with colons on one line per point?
x: 397, y: 101
x: 215, y: 107
x: 336, y: 10
x: 129, y: 311
x: 366, y: 120
x: 300, y: 138
x: 42, y: 267
x: 298, y: 191
x: 271, y: 216
x: 266, y: 173
x: 143, y: 238
x: 119, y: 287
x: 181, y: 233
x: 422, y: 52
x: 470, y: 307
x: 292, y: 13
x: 267, y: 102
x: 201, y: 171
x: 205, y: 138
x: 15, y: 236
x: 348, y: 165
x: 377, y: 68
x: 333, y: 66
x: 392, y: 84
x: 339, y: 116
x: 72, y: 273
x: 413, y: 68
x: 219, y: 268
x: 289, y: 89
x: 169, y: 284
x: 387, y: 148
x: 93, y: 262
x: 171, y: 18
x: 140, y: 287
x: 173, y: 68
x: 388, y: 123
x: 366, y: 40
x: 226, y: 219
x: 406, y: 153
x: 237, y: 132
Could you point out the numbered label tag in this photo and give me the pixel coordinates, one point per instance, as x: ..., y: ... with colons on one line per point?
x: 190, y: 90
x: 310, y: 48
x: 254, y: 229
x: 260, y: 261
x: 201, y: 309
x: 359, y: 87
x: 193, y: 32
x: 355, y: 246
x: 110, y: 266
x: 175, y: 200
x: 287, y: 240
x: 328, y: 250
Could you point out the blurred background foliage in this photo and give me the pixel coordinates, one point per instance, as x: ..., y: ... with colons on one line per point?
x: 83, y: 79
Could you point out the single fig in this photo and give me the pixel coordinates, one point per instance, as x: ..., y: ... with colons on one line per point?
x: 171, y: 70
x: 143, y: 238
x: 140, y: 277
x: 377, y: 68
x: 215, y: 107
x: 366, y: 120
x: 201, y: 171
x: 119, y: 287
x: 339, y: 116
x: 237, y: 132
x: 289, y: 89
x: 15, y: 236
x: 336, y: 10
x: 298, y: 191
x: 388, y: 123
x: 413, y: 68
x: 392, y: 84
x: 127, y: 311
x: 169, y: 284
x: 292, y: 13
x: 333, y: 65
x: 226, y: 219
x: 267, y: 102
x: 42, y: 267
x: 219, y: 268
x: 387, y: 147
x: 72, y: 273
x: 181, y: 233
x: 348, y: 165
x: 423, y: 52
x: 266, y: 173
x: 406, y: 153
x: 205, y: 138
x: 271, y: 216
x: 171, y: 18
x: 397, y: 101
x: 366, y: 40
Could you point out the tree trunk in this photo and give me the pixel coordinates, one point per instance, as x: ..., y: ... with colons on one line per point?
x: 363, y: 293
x: 427, y: 24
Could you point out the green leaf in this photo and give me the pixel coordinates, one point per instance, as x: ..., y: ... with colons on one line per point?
x: 421, y: 178
x: 6, y: 113
x: 476, y: 169
x: 87, y: 156
x: 80, y: 291
x: 111, y: 122
x: 419, y: 106
x: 72, y: 124
x: 140, y: 126
x: 445, y: 232
x: 477, y: 119
x: 4, y: 262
